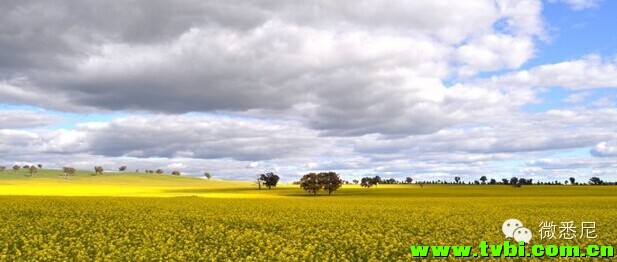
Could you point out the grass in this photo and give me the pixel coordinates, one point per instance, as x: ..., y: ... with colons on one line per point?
x: 50, y: 183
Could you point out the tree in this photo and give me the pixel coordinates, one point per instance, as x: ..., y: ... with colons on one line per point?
x: 2, y: 168
x: 409, y: 180
x: 32, y: 170
x: 40, y: 166
x: 514, y: 181
x: 15, y: 168
x: 572, y: 180
x: 269, y: 179
x: 310, y: 183
x: 595, y: 181
x: 493, y: 181
x: 483, y: 179
x: 330, y: 181
x: 26, y: 167
x: 259, y: 181
x: 355, y: 181
x: 175, y: 173
x: 207, y: 175
x: 376, y: 180
x: 390, y: 181
x: 367, y: 182
x: 158, y: 171
x: 68, y: 171
x: 457, y: 179
x: 505, y: 181
x: 98, y: 170
x: 122, y: 169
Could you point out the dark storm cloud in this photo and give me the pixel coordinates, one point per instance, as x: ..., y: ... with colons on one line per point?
x: 197, y: 137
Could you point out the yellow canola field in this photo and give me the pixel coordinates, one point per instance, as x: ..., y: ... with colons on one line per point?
x: 171, y: 220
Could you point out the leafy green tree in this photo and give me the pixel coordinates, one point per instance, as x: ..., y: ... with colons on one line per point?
x: 330, y: 181
x: 269, y: 179
x: 367, y: 182
x: 32, y: 170
x: 457, y: 179
x: 158, y: 171
x: 408, y: 180
x: 514, y: 181
x: 16, y: 168
x: 493, y: 181
x: 68, y: 172
x: 98, y: 170
x: 355, y: 181
x: 483, y: 179
x: 572, y: 180
x: 376, y: 180
x: 122, y: 169
x: 175, y: 173
x: 207, y: 175
x: 595, y: 181
x: 310, y: 183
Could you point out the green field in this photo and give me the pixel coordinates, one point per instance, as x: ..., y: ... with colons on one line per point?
x: 119, y: 217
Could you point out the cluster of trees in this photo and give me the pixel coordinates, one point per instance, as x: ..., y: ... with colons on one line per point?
x: 268, y: 180
x: 372, y: 181
x: 314, y: 182
x: 369, y: 182
x: 158, y: 171
x: 31, y: 169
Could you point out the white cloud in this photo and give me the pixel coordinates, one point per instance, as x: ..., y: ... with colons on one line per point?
x: 494, y: 52
x: 577, y: 97
x: 578, y: 4
x: 605, y: 149
x: 590, y: 72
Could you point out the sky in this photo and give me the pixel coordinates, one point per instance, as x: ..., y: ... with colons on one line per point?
x: 423, y: 89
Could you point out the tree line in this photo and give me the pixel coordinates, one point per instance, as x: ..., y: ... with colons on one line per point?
x: 68, y: 171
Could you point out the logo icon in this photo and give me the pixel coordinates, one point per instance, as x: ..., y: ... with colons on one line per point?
x: 513, y: 228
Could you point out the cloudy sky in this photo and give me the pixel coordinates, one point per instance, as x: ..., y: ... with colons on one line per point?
x: 427, y: 89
